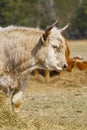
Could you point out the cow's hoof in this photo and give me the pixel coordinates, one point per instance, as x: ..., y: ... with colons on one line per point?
x: 16, y: 101
x: 16, y: 110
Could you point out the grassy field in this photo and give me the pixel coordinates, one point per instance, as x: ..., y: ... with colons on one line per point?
x: 78, y: 48
x: 60, y: 104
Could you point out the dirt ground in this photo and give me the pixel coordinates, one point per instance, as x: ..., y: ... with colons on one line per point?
x: 60, y: 104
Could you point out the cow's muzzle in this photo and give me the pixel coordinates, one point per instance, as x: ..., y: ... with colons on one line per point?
x: 65, y: 66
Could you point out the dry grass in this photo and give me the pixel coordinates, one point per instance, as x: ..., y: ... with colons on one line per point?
x: 78, y: 48
x: 60, y: 104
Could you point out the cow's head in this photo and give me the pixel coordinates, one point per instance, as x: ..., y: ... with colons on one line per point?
x: 52, y: 53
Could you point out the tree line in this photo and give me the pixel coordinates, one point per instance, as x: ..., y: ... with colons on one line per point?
x: 44, y: 12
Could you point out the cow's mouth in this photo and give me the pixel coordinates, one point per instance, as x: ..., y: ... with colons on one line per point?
x: 56, y: 68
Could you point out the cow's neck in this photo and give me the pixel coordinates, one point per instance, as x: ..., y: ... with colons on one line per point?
x: 28, y: 66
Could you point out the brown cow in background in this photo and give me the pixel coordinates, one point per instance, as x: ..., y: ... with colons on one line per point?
x: 81, y: 64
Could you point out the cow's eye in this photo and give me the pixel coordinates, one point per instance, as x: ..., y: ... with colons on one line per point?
x: 54, y: 46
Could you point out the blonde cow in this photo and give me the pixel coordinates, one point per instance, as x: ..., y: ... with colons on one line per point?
x: 23, y: 50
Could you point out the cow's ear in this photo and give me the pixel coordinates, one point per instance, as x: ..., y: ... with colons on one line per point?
x: 48, y: 29
x: 64, y: 28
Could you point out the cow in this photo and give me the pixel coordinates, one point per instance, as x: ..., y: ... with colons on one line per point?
x: 81, y: 64
x: 24, y: 49
x: 70, y: 60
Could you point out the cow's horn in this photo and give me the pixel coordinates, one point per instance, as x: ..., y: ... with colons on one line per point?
x: 62, y: 29
x: 47, y: 30
x: 51, y: 26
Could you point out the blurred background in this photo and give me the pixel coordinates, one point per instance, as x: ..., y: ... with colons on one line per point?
x: 61, y: 102
x: 41, y: 13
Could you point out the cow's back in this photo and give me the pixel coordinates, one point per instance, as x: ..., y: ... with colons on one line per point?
x: 16, y: 44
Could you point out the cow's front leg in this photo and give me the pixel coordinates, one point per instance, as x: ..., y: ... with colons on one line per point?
x: 36, y: 73
x: 47, y: 75
x: 17, y: 100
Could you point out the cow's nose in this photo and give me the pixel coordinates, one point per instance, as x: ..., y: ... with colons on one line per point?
x: 65, y: 66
